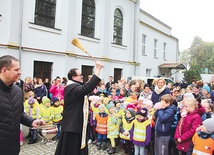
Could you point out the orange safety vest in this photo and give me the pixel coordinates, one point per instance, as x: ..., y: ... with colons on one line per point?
x: 101, y: 124
x: 202, y: 146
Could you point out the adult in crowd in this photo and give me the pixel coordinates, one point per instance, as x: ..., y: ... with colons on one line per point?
x: 48, y: 86
x: 109, y: 83
x: 57, y: 89
x: 146, y: 93
x: 40, y: 90
x: 75, y: 116
x: 160, y: 90
x: 12, y: 111
x: 211, y: 84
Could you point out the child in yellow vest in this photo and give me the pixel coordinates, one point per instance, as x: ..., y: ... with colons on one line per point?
x: 46, y: 110
x: 112, y: 125
x: 34, y: 112
x: 140, y: 134
x: 57, y: 114
x: 125, y: 127
x: 101, y: 127
x: 203, y: 139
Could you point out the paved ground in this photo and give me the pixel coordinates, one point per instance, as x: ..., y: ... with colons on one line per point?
x: 43, y: 149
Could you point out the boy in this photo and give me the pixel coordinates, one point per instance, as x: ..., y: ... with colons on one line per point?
x: 164, y: 117
x: 203, y: 139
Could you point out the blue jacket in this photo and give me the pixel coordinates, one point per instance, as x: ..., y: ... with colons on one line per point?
x: 164, y: 119
x: 156, y: 97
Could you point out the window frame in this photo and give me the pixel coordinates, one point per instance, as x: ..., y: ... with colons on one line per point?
x: 84, y: 27
x: 38, y: 14
x: 118, y: 37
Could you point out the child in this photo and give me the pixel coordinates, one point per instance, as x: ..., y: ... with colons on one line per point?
x: 112, y: 128
x: 203, y: 139
x: 46, y: 110
x: 125, y: 127
x: 95, y: 102
x: 187, y: 125
x: 101, y: 127
x: 34, y: 112
x: 164, y: 117
x: 209, y: 108
x: 57, y: 114
x: 140, y: 134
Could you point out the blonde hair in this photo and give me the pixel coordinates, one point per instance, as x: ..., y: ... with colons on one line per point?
x: 191, y: 102
x: 161, y: 79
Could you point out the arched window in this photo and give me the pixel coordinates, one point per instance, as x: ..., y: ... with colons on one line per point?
x: 88, y: 18
x: 118, y: 27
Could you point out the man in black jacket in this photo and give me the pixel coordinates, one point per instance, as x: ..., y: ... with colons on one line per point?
x: 75, y: 116
x: 11, y: 107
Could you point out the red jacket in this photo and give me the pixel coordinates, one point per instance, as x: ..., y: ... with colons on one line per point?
x: 186, y: 129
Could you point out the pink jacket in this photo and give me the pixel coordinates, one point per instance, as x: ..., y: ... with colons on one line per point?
x: 186, y: 129
x: 57, y: 91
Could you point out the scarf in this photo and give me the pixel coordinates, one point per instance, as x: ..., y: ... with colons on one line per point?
x: 158, y: 90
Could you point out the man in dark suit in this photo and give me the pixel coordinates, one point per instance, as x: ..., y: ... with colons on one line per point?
x: 75, y: 116
x: 20, y: 83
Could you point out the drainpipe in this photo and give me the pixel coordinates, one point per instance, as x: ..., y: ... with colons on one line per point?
x: 20, y: 31
x: 134, y: 36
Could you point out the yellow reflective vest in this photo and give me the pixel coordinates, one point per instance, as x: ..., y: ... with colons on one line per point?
x: 139, y: 133
x: 33, y: 111
x: 126, y: 127
x: 57, y: 113
x: 46, y: 114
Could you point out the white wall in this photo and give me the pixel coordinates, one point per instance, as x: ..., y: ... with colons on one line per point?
x: 51, y: 45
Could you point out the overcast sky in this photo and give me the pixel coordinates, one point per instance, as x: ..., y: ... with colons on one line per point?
x: 187, y: 18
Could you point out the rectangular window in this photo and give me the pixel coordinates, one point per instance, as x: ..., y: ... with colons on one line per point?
x: 164, y: 51
x: 148, y: 72
x: 45, y: 13
x: 42, y: 69
x: 143, y: 44
x: 155, y: 48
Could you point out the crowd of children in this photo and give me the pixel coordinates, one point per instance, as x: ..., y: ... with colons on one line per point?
x: 49, y: 110
x: 123, y: 115
x: 128, y: 119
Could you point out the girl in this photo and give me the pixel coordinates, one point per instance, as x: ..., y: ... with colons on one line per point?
x: 187, y: 125
x: 112, y: 127
x: 140, y: 133
x: 125, y: 127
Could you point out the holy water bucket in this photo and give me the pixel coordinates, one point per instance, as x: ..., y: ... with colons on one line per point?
x: 47, y: 132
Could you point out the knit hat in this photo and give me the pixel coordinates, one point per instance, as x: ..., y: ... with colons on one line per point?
x: 207, y: 88
x: 101, y: 106
x: 209, y: 125
x: 189, y: 95
x: 130, y: 106
x: 143, y: 112
x: 31, y: 100
x: 109, y: 106
x: 45, y: 100
x: 55, y: 99
x: 132, y: 112
x: 148, y: 102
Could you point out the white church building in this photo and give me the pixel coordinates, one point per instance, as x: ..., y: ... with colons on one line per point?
x: 128, y: 40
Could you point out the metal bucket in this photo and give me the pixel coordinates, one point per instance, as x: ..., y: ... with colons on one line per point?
x: 47, y: 131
